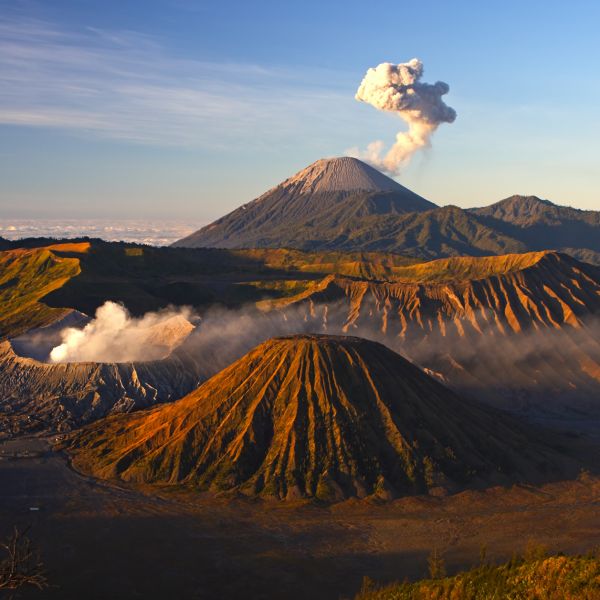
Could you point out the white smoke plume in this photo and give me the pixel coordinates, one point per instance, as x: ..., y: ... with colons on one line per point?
x: 115, y: 336
x: 398, y: 89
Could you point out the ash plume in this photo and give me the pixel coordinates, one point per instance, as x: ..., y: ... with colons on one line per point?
x: 398, y: 89
x: 115, y: 336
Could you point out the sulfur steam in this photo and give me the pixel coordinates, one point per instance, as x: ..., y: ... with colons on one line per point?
x: 115, y: 336
x: 398, y: 89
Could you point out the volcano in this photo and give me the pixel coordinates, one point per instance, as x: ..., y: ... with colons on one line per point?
x: 334, y: 190
x: 343, y: 204
x: 314, y: 416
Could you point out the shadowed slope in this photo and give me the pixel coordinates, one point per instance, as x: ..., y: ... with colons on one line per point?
x: 329, y: 194
x: 316, y: 416
x: 43, y: 284
x: 343, y: 204
x: 541, y: 225
x: 520, y: 331
x: 37, y: 396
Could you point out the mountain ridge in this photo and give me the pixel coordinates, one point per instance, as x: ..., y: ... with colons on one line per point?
x: 519, y: 331
x: 331, y: 215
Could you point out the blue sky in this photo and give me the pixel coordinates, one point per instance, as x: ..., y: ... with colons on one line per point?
x: 181, y: 109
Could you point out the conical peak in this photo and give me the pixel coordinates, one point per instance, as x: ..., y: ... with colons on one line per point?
x: 334, y: 350
x: 309, y: 416
x: 339, y: 175
x: 318, y: 339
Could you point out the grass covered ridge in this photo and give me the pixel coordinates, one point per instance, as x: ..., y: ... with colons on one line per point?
x: 533, y: 578
x: 26, y: 276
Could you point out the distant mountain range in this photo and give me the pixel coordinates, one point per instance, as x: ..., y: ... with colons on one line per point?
x: 344, y: 204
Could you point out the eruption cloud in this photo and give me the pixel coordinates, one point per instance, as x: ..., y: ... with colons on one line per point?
x: 115, y: 336
x: 398, y: 89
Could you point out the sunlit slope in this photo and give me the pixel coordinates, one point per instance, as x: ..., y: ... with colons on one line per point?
x: 520, y: 330
x: 552, y: 577
x: 508, y: 328
x: 40, y: 285
x: 505, y: 293
x: 27, y: 276
x: 314, y: 416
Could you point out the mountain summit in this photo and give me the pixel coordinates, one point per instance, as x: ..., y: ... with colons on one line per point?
x: 344, y: 174
x: 331, y: 192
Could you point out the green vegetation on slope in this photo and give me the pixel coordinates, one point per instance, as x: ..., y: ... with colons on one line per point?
x: 539, y: 578
x: 148, y: 278
x: 447, y: 231
x: 39, y: 285
x: 541, y: 225
x: 465, y: 268
x: 82, y: 276
x: 26, y: 276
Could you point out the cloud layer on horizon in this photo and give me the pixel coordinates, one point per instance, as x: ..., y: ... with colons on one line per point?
x: 154, y: 232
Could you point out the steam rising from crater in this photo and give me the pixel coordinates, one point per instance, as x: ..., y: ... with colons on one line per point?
x: 115, y: 336
x: 398, y: 89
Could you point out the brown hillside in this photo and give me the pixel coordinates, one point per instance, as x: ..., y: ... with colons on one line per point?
x: 313, y: 416
x: 519, y: 330
x: 507, y: 293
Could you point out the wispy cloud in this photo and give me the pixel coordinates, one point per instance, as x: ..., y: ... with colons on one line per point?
x: 124, y: 85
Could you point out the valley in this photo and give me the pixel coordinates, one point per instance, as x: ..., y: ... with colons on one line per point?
x: 239, y: 547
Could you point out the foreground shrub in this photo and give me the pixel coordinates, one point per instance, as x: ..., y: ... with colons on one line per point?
x: 533, y: 578
x: 21, y: 565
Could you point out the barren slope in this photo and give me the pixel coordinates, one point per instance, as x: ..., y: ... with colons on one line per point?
x: 321, y: 416
x: 518, y: 330
x: 37, y: 396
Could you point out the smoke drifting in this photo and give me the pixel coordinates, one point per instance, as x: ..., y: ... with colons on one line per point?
x: 114, y: 336
x: 398, y: 89
x: 544, y: 372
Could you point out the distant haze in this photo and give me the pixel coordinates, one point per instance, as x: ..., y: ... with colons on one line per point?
x: 151, y: 232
